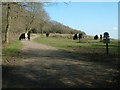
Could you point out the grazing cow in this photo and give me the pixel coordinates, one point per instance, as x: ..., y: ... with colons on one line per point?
x: 95, y: 37
x: 28, y: 35
x: 101, y: 36
x: 25, y: 36
x: 22, y: 36
x: 47, y: 34
x: 80, y: 35
x: 77, y: 36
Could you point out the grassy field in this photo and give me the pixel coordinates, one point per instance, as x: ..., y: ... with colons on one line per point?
x: 11, y: 52
x: 88, y: 47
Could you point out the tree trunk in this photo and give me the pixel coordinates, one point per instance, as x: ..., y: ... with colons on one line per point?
x: 26, y: 29
x: 7, y: 25
x: 41, y: 30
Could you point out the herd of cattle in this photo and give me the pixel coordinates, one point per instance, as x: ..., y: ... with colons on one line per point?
x: 76, y: 36
x: 80, y: 35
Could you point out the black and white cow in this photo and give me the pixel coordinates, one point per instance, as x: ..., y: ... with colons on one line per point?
x: 25, y: 36
x: 77, y: 36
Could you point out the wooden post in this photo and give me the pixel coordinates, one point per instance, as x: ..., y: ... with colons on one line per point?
x: 106, y: 40
x: 107, y: 48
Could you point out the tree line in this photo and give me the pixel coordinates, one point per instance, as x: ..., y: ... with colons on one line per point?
x: 19, y: 17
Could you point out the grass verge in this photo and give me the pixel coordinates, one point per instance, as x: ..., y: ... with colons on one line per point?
x: 11, y: 52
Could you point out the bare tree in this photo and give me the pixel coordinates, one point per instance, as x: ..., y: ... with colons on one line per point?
x: 8, y: 16
x: 27, y: 13
x: 8, y: 23
x: 42, y: 18
x: 31, y: 11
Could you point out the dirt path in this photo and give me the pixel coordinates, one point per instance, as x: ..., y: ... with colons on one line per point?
x: 44, y: 67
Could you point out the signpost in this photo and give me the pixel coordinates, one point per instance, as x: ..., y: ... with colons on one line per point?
x: 106, y: 40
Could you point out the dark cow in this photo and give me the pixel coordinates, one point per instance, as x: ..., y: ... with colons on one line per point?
x: 95, y: 37
x: 77, y: 36
x: 47, y: 34
x: 101, y: 36
x: 22, y: 36
x: 28, y: 35
x: 80, y: 35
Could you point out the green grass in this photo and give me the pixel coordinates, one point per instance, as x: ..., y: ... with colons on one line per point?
x: 93, y: 49
x: 68, y: 44
x: 12, y: 49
